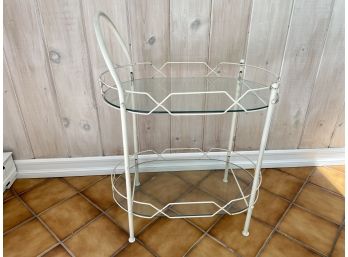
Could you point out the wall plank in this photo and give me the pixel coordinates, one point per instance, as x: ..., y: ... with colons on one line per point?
x: 189, y: 41
x: 338, y: 138
x: 149, y: 24
x: 267, y: 38
x: 60, y: 111
x: 109, y: 118
x: 305, y: 45
x: 229, y: 30
x: 15, y: 134
x: 27, y: 61
x: 328, y: 94
x: 62, y: 25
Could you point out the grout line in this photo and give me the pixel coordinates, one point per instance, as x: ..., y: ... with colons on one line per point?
x: 340, y: 228
x: 82, y: 227
x: 45, y: 225
x: 87, y: 186
x: 283, y: 216
x: 147, y: 248
x: 304, y: 245
x: 327, y: 190
x: 31, y: 188
x: 124, y: 246
x: 316, y: 214
x: 49, y: 249
x: 102, y: 213
x: 19, y: 225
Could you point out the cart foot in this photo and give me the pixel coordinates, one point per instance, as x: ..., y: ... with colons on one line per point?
x: 225, y: 180
x: 131, y: 240
x: 246, y: 234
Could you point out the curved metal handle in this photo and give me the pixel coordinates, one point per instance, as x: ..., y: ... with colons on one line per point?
x: 105, y: 52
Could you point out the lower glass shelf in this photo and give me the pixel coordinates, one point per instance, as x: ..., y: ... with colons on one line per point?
x: 185, y: 194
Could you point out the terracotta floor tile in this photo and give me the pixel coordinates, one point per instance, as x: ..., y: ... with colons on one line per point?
x: 14, y: 213
x: 133, y: 250
x: 121, y: 218
x: 229, y: 230
x: 101, y: 193
x: 82, y: 182
x: 269, y: 207
x: 310, y: 229
x: 205, y: 223
x: 299, y: 172
x: 58, y: 251
x: 329, y: 178
x: 214, y: 185
x: 166, y: 236
x: 280, y: 246
x: 165, y: 187
x: 339, y: 247
x: 100, y: 238
x: 192, y: 177
x: 24, y: 184
x: 281, y: 183
x: 197, y: 195
x: 7, y: 195
x: 338, y: 167
x: 207, y: 247
x: 322, y: 202
x: 30, y: 239
x: 47, y: 194
x: 69, y: 216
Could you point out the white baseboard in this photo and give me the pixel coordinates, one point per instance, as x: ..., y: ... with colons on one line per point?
x: 83, y: 166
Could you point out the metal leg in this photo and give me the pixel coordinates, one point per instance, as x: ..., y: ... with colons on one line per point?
x: 272, y: 101
x: 135, y: 136
x: 127, y: 173
x: 233, y: 122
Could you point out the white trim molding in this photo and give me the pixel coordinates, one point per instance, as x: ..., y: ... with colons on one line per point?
x: 87, y: 166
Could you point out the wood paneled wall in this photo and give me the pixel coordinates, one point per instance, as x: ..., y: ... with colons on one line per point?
x: 52, y: 104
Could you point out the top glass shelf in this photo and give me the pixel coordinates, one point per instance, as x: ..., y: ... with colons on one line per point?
x: 192, y: 95
x: 208, y: 93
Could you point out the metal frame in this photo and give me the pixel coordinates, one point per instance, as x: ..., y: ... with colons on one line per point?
x: 235, y: 101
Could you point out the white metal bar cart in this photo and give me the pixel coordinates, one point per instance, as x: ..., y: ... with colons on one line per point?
x: 226, y: 188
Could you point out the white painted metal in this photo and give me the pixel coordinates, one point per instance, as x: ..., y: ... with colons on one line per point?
x: 235, y: 101
x: 234, y: 120
x: 116, y: 79
x: 272, y: 101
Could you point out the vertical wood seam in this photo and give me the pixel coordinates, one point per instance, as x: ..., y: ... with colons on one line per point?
x: 18, y: 106
x: 245, y: 54
x: 206, y: 86
x: 129, y: 33
x: 169, y: 59
x: 91, y: 78
x: 335, y: 127
x: 287, y: 39
x: 51, y: 78
x: 317, y: 73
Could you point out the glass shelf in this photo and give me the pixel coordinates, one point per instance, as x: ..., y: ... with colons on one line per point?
x: 188, y: 193
x: 189, y: 95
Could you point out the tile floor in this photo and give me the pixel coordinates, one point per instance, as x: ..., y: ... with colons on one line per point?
x: 300, y: 212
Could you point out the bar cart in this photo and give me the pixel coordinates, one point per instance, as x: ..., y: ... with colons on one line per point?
x: 195, y: 183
